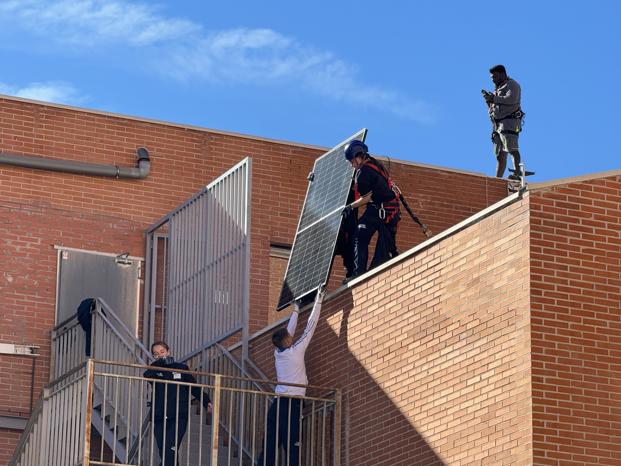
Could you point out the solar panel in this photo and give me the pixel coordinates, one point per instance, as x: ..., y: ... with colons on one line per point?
x: 315, y: 239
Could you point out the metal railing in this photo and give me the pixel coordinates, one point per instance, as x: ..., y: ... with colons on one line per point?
x: 216, y: 359
x: 60, y: 433
x: 55, y: 433
x: 68, y: 347
x: 110, y: 340
x: 116, y: 419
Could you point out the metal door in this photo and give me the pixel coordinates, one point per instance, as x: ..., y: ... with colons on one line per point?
x: 89, y: 274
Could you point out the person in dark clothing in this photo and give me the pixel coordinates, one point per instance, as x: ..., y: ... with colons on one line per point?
x: 170, y: 402
x: 85, y: 319
x: 345, y: 239
x: 372, y: 188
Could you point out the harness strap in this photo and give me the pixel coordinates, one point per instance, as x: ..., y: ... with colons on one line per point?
x: 517, y: 115
x: 387, y: 210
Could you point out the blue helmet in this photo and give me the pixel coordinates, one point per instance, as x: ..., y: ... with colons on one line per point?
x: 354, y: 148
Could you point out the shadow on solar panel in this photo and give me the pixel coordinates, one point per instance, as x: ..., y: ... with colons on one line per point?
x: 318, y: 228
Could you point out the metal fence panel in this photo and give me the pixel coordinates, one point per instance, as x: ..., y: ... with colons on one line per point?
x: 207, y: 261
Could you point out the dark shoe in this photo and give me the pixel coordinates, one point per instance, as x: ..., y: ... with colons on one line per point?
x: 349, y: 278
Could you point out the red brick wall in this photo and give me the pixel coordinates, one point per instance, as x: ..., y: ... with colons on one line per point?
x: 576, y: 322
x: 40, y: 209
x: 432, y: 354
x: 8, y: 440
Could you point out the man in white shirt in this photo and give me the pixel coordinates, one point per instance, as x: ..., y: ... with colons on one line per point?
x: 284, y: 415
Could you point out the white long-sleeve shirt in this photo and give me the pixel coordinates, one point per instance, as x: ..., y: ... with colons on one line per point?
x: 290, y: 365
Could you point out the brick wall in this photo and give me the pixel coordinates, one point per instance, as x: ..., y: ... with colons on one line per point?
x: 576, y: 322
x: 433, y: 354
x: 40, y: 209
x: 8, y: 440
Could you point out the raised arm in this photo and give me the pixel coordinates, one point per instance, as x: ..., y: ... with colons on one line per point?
x: 293, y: 320
x: 305, y: 339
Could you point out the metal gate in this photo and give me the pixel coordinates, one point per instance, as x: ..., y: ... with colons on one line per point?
x: 197, y: 266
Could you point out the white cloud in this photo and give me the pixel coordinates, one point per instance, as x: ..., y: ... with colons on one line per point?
x: 185, y: 51
x: 92, y: 22
x: 55, y: 92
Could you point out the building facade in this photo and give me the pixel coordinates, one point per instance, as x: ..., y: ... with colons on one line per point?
x: 495, y: 342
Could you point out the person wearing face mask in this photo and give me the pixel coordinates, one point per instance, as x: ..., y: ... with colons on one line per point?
x: 170, y: 402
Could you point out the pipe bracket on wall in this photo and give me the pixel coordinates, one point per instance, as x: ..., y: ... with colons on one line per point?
x: 142, y: 169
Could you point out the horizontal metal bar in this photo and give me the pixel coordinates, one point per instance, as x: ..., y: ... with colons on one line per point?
x: 213, y: 342
x: 208, y: 374
x: 65, y: 322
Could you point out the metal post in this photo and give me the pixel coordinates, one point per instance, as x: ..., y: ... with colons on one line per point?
x: 150, y: 281
x: 246, y: 278
x: 44, y: 428
x: 215, y: 419
x: 88, y: 412
x: 337, y: 427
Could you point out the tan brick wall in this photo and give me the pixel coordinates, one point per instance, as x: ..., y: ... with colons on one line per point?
x: 576, y: 323
x: 40, y: 209
x: 433, y: 355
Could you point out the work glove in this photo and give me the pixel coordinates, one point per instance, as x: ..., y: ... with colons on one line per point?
x: 347, y: 211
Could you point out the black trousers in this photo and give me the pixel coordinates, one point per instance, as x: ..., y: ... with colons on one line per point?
x: 283, y: 430
x: 345, y: 242
x: 385, y: 249
x: 168, y: 436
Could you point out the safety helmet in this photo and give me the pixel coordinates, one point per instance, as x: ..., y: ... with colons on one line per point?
x: 355, y: 147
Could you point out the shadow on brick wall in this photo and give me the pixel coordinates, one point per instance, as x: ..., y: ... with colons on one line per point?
x: 375, y: 431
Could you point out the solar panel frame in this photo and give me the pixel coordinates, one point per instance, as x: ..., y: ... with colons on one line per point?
x: 320, y: 220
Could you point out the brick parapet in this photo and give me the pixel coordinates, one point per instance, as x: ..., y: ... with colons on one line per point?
x: 433, y: 353
x: 576, y: 322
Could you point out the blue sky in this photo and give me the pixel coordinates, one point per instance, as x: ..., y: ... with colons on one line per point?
x: 315, y: 72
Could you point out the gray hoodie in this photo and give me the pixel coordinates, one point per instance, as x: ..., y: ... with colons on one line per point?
x: 506, y: 101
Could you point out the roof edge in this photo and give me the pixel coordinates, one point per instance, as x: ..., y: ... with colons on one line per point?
x: 476, y: 218
x: 159, y: 122
x: 224, y: 133
x: 574, y: 179
x: 402, y: 257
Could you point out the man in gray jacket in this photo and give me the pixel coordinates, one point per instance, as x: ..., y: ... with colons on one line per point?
x: 506, y: 115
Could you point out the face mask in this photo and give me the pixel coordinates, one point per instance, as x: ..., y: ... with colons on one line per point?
x: 166, y: 360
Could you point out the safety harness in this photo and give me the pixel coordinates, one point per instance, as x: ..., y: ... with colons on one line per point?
x: 387, y: 210
x: 517, y: 115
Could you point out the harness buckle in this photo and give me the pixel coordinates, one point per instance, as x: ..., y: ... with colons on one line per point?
x: 382, y: 212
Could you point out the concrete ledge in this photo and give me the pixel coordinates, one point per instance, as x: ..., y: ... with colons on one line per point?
x: 13, y: 422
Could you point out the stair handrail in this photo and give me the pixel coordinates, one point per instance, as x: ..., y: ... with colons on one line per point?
x: 205, y: 346
x: 64, y: 325
x: 256, y: 382
x: 28, y: 431
x: 49, y: 390
x: 146, y: 357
